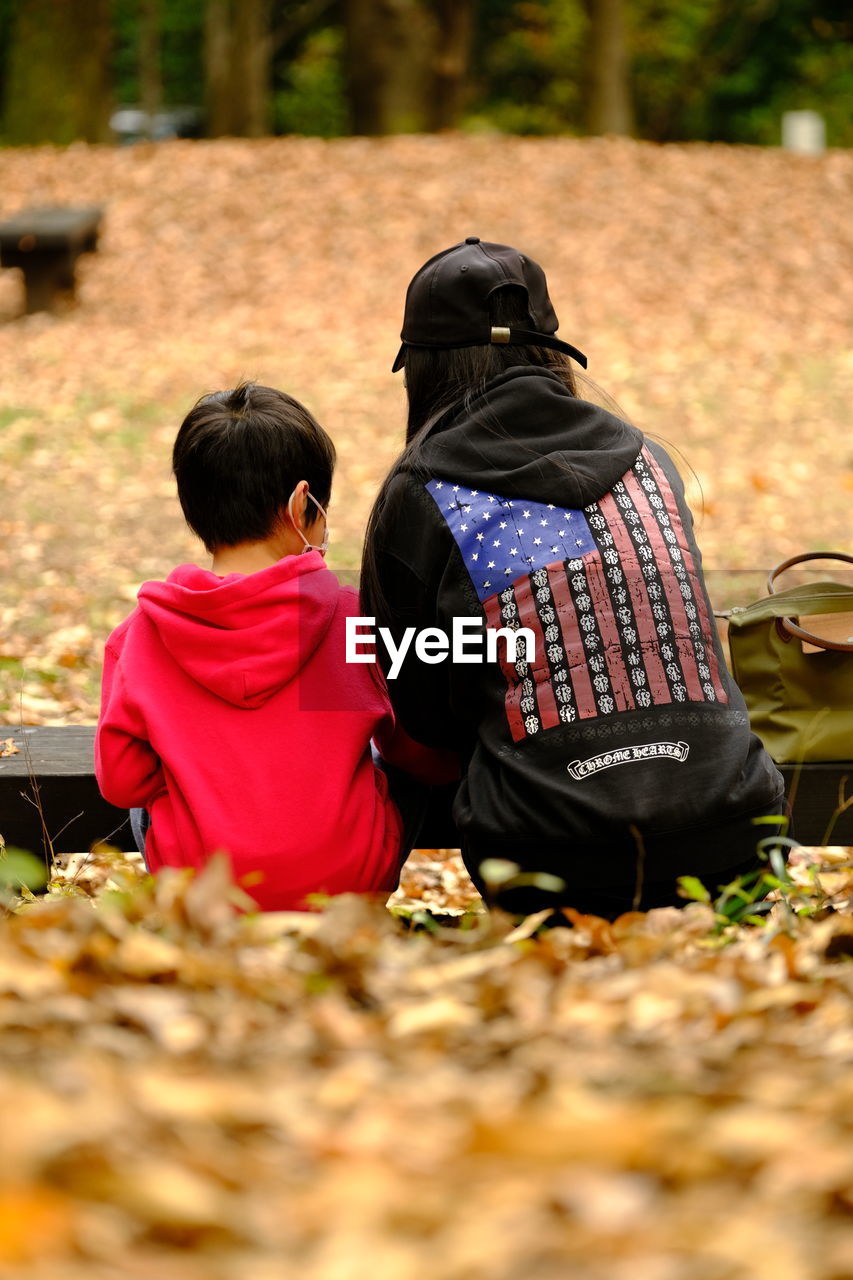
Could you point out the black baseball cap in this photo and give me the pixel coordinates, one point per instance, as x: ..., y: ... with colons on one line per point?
x: 447, y: 302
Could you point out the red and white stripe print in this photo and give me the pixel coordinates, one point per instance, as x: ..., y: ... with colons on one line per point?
x: 622, y: 627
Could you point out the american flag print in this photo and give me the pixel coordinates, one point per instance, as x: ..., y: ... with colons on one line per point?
x: 612, y: 595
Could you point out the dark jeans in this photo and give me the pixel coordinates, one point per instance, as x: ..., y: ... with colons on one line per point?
x: 139, y: 824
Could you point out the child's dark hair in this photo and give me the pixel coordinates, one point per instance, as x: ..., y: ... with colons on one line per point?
x: 239, y: 455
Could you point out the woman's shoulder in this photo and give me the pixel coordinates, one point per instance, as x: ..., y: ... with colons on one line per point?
x: 404, y: 483
x: 408, y: 501
x: 348, y: 601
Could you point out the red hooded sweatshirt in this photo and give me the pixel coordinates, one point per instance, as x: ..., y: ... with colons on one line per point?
x: 229, y: 712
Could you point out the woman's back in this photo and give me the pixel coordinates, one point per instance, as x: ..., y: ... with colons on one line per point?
x: 542, y: 514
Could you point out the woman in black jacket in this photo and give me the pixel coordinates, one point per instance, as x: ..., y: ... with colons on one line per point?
x: 602, y: 739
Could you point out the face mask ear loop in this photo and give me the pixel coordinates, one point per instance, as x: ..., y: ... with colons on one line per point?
x: 310, y: 546
x: 322, y: 547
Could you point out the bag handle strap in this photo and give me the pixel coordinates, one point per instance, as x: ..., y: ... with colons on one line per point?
x: 788, y: 626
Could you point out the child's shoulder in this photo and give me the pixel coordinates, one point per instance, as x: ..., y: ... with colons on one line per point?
x: 348, y: 601
x: 116, y: 641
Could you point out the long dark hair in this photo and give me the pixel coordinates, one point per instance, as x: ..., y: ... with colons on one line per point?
x: 439, y: 385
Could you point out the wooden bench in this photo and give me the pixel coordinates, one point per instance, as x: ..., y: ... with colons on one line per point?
x: 46, y: 243
x: 55, y: 766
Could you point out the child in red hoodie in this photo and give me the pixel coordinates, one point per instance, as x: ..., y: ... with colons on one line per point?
x: 229, y: 714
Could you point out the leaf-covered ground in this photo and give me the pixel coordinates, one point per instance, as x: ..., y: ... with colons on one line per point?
x: 709, y: 285
x: 194, y: 1094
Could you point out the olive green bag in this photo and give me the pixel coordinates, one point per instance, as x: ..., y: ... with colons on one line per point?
x: 798, y: 685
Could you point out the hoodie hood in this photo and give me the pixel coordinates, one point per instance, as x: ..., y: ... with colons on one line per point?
x: 243, y: 637
x: 527, y: 434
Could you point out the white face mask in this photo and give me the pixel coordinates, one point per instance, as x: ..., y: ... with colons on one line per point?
x: 323, y: 546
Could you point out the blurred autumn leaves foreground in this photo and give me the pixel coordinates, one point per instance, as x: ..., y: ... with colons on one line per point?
x: 210, y: 1096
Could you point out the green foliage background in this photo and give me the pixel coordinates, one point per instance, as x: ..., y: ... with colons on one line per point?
x: 715, y: 70
x: 181, y: 27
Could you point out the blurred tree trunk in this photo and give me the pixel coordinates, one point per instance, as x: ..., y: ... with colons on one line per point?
x: 253, y: 66
x: 450, y: 62
x: 58, y: 87
x: 150, y: 77
x: 217, y: 69
x: 609, y: 107
x: 407, y: 63
x: 238, y: 68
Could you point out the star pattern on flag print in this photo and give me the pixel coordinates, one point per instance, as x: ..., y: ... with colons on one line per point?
x: 611, y: 593
x: 501, y: 538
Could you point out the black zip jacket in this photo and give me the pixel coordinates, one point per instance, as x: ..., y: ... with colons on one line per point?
x: 623, y: 732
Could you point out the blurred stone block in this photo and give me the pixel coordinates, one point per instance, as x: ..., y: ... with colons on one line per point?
x: 804, y: 132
